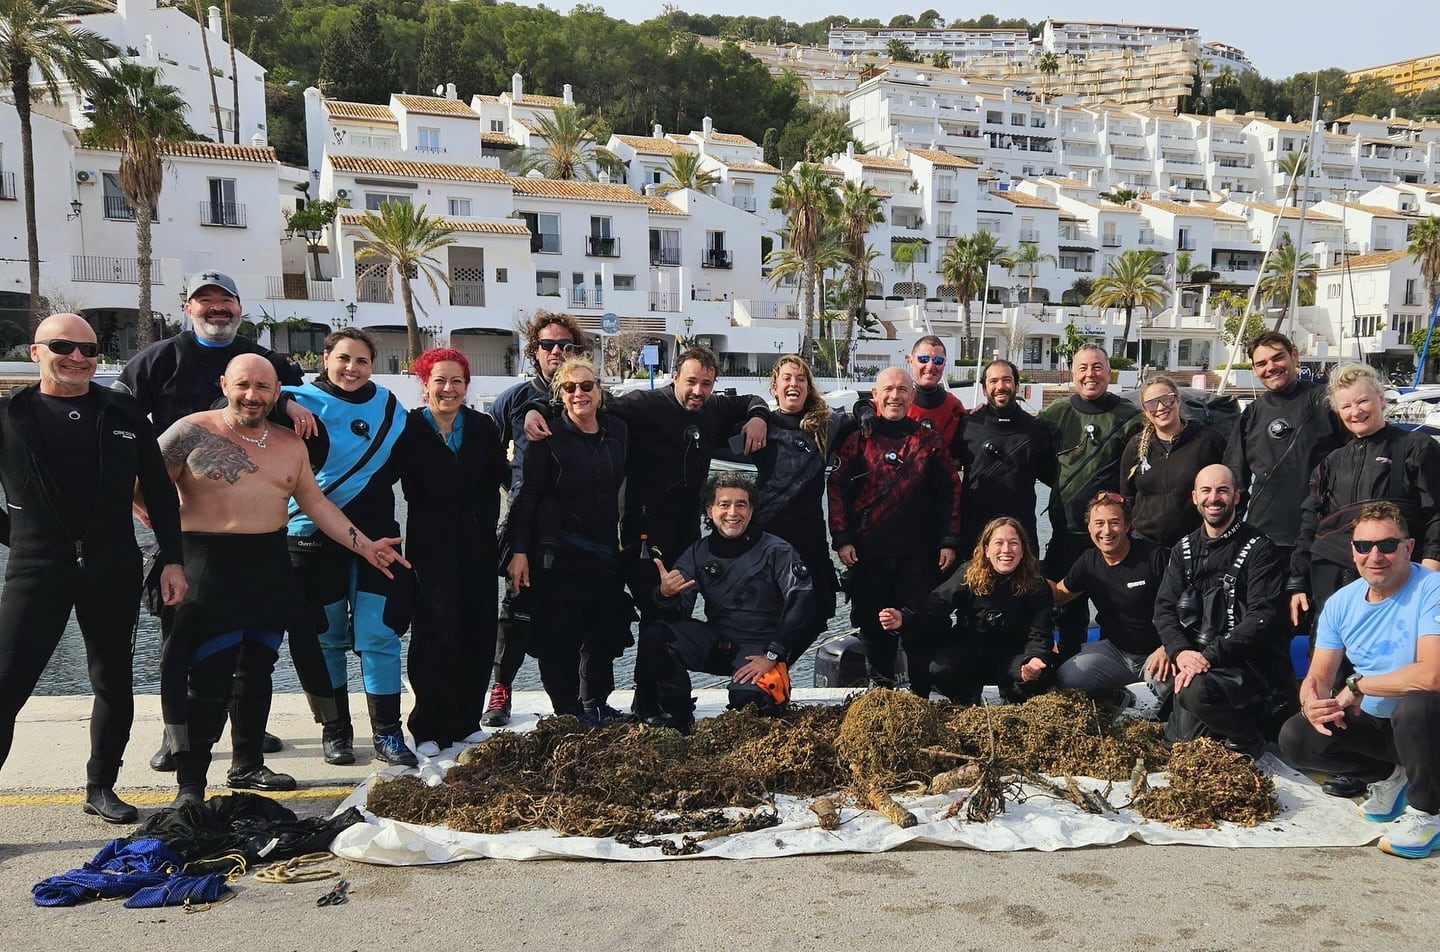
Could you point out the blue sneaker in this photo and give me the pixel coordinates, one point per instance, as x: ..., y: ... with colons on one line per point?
x: 392, y: 749
x: 601, y: 715
x: 1414, y: 836
x: 1387, y: 798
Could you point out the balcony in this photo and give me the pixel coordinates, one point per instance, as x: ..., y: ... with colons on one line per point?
x: 944, y: 195
x: 430, y: 149
x: 1383, y: 244
x: 947, y: 231
x: 597, y: 246
x: 373, y: 290
x: 717, y: 258
x: 1185, y: 244
x: 297, y: 287
x: 667, y: 301
x: 544, y: 243
x: 221, y: 214
x: 1030, y: 236
x: 746, y: 203
x: 666, y: 256
x: 467, y: 293
x: 118, y: 209
x: 585, y: 297
x: 7, y: 186
x: 1147, y: 239
x: 106, y: 270
x: 1110, y: 241
x: 1130, y: 162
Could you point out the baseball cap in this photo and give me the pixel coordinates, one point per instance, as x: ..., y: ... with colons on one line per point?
x: 207, y: 279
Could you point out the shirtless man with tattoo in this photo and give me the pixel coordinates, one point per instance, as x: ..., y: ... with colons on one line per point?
x: 236, y: 475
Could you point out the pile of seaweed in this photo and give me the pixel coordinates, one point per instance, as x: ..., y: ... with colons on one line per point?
x: 630, y: 779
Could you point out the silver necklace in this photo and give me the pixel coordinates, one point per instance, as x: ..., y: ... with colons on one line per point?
x: 260, y: 441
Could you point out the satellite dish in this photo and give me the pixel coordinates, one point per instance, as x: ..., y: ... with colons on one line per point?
x: 440, y: 90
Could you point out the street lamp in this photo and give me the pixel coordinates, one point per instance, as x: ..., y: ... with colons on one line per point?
x: 351, y: 308
x: 689, y: 323
x: 75, y: 206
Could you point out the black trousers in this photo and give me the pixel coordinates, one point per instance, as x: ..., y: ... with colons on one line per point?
x: 452, y: 642
x: 511, y: 636
x: 580, y: 625
x: 669, y: 650
x: 233, y: 668
x: 1073, y: 619
x: 894, y: 581
x: 961, y: 669
x: 1369, y: 747
x: 1227, y: 703
x: 35, y: 604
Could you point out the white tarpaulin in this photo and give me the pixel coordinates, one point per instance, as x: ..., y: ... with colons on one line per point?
x: 1307, y: 818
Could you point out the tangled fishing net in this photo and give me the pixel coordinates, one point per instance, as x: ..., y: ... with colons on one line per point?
x: 631, y: 781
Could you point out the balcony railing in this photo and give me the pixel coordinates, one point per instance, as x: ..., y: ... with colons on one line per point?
x: 1110, y: 241
x: 372, y: 290
x: 666, y: 256
x: 7, y: 186
x: 222, y: 214
x: 467, y: 293
x: 585, y: 297
x: 109, y: 270
x: 1030, y: 236
x: 947, y: 195
x: 746, y: 203
x: 544, y: 242
x: 118, y: 209
x: 1147, y: 239
x: 432, y: 149
x: 297, y: 287
x: 1186, y: 244
x: 1384, y: 244
x: 597, y: 246
x: 716, y: 258
x: 665, y: 301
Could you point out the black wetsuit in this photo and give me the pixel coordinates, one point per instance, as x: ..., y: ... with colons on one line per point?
x: 564, y: 521
x: 1159, y: 486
x: 453, y: 504
x: 1003, y: 454
x: 68, y: 552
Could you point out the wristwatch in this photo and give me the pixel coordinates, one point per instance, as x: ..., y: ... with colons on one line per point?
x: 1353, y: 683
x: 774, y: 653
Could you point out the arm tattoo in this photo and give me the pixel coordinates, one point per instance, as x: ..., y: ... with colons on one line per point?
x: 206, y: 455
x: 354, y: 538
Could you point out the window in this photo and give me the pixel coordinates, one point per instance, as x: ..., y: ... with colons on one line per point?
x: 221, y: 209
x: 547, y: 283
x: 502, y: 275
x: 1412, y: 293
x: 429, y: 140
x: 497, y: 125
x: 116, y: 207
x: 715, y: 254
x: 656, y: 176
x: 373, y: 200
x: 665, y: 246
x: 624, y: 282
x: 224, y: 119
x: 994, y: 116
x: 459, y: 207
x: 1332, y: 291
x: 1017, y: 119
x: 601, y: 242
x: 544, y: 232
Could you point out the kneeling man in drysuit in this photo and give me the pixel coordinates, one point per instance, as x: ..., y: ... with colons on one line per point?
x: 758, y: 598
x: 236, y: 474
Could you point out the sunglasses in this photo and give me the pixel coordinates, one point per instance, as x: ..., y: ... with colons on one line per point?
x: 565, y: 345
x: 570, y: 386
x: 63, y: 347
x: 1155, y: 403
x: 937, y: 359
x: 1388, y: 546
x: 1106, y: 495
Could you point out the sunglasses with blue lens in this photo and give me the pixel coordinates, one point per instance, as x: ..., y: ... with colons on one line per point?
x: 937, y: 359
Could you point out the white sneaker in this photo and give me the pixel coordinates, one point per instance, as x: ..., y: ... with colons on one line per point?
x: 475, y: 738
x: 428, y: 749
x: 1413, y: 836
x: 1386, y: 799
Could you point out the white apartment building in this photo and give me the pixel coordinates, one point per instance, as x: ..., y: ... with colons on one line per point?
x: 1082, y: 37
x: 963, y: 46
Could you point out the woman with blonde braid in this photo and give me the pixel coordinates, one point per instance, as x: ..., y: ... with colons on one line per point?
x: 1158, y: 467
x: 791, y: 475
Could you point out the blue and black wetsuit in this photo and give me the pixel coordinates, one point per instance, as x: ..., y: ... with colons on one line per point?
x: 355, y: 607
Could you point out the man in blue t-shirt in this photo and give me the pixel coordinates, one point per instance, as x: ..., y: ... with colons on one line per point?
x: 1382, y: 723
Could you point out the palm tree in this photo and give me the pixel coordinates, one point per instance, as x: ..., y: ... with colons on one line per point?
x: 1027, y: 262
x: 806, y: 197
x: 201, y: 18
x: 684, y: 171
x: 906, y: 254
x: 1280, y: 270
x: 403, y: 240
x: 1049, y: 65
x: 1293, y: 165
x: 234, y: 72
x: 965, y: 267
x: 1122, y: 196
x: 569, y: 152
x: 38, y: 35
x: 135, y: 114
x: 1424, y: 248
x: 860, y: 208
x: 1131, y: 283
x: 940, y: 60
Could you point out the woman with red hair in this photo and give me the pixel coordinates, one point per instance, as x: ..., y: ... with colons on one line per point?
x: 452, y: 470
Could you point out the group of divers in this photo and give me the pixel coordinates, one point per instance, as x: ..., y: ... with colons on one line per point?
x: 1202, y: 554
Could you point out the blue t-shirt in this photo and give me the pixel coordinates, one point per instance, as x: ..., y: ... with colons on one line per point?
x: 1380, y: 637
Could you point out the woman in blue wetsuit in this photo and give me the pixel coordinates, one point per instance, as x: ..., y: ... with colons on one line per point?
x: 355, y: 607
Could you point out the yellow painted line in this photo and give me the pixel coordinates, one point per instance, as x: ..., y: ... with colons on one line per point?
x: 163, y: 798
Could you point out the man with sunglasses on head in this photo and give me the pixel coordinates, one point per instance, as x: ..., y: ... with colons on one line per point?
x: 176, y: 377
x: 1004, y: 452
x: 1091, y: 429
x: 550, y: 339
x: 71, y: 455
x: 1220, y: 616
x: 1380, y: 727
x: 894, y: 498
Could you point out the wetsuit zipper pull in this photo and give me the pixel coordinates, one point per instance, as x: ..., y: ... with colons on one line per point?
x: 80, y: 555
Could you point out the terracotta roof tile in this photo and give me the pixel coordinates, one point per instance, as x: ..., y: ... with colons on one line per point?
x: 1379, y: 259
x: 649, y: 145
x: 1376, y: 210
x: 659, y: 206
x: 1288, y: 212
x: 364, y: 111
x: 558, y: 188
x: 485, y: 99
x: 1020, y: 198
x: 725, y: 137
x: 937, y: 157
x: 529, y: 99
x: 751, y: 167
x: 219, y: 150
x: 1193, y: 211
x: 435, y: 106
x: 497, y: 138
x: 881, y: 162
x: 479, y: 226
x: 366, y: 165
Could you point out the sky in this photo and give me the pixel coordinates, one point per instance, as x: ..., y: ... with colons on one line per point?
x: 1280, y: 38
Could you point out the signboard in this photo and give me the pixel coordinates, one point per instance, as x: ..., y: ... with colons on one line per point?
x: 609, y: 323
x: 649, y: 355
